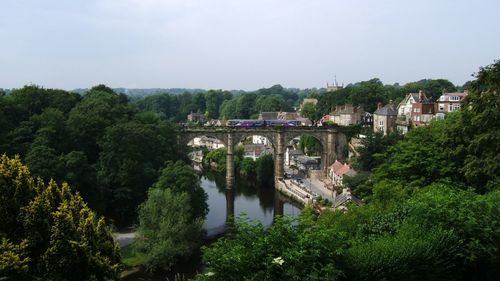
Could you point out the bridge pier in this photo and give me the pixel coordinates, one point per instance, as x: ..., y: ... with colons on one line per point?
x: 331, y: 141
x: 279, y: 158
x: 229, y: 206
x: 230, y: 162
x: 330, y: 154
x: 278, y: 204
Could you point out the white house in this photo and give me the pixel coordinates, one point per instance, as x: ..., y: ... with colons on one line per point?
x: 449, y: 102
x: 337, y: 172
x: 256, y: 139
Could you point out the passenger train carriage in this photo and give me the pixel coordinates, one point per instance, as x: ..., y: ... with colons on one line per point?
x: 262, y: 123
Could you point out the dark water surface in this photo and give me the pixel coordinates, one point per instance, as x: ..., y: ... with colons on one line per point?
x: 256, y: 202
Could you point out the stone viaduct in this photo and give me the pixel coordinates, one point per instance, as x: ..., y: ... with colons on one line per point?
x: 333, y: 143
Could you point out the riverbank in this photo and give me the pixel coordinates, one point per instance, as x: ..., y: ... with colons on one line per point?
x: 256, y: 202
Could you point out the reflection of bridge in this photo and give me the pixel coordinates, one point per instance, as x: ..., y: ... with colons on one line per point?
x: 332, y: 143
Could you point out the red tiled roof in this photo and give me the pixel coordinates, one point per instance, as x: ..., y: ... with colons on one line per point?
x: 341, y: 169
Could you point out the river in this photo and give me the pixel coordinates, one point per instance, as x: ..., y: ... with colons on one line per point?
x: 255, y: 202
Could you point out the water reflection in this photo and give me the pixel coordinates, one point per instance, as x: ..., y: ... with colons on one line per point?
x: 256, y: 202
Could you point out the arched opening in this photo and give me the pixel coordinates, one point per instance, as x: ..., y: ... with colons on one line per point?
x: 304, y: 156
x: 255, y: 158
x: 256, y: 145
x: 202, y: 146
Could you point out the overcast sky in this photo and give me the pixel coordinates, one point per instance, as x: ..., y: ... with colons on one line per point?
x: 243, y: 44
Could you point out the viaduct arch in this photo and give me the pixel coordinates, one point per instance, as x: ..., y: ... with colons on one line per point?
x: 331, y: 140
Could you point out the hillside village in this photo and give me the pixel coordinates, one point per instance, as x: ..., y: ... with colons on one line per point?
x: 415, y: 110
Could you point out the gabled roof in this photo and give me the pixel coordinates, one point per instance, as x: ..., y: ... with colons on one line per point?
x: 347, y: 109
x: 415, y: 97
x: 336, y: 165
x: 387, y: 110
x: 446, y: 96
x: 287, y: 115
x: 345, y: 197
x: 342, y: 169
x: 268, y: 115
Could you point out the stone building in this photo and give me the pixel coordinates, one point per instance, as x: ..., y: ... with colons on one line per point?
x: 345, y: 115
x: 384, y: 118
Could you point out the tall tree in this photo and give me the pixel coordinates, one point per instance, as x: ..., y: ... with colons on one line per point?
x: 180, y: 177
x: 89, y: 118
x: 51, y: 233
x: 167, y: 232
x: 132, y: 154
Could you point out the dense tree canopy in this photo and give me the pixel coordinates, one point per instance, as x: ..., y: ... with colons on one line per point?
x: 132, y: 154
x: 180, y: 177
x: 432, y: 214
x: 49, y: 233
x: 167, y: 231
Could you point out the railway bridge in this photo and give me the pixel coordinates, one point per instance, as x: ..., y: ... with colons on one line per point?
x: 332, y: 143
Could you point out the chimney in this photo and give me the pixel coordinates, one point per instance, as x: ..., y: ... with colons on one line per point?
x: 379, y: 105
x: 420, y: 95
x: 346, y: 191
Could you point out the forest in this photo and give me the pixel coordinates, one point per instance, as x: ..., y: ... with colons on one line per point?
x: 74, y: 163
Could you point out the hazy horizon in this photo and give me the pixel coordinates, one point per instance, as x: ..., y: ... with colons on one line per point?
x: 243, y: 45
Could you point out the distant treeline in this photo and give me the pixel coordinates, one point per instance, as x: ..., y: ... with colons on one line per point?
x: 111, y: 149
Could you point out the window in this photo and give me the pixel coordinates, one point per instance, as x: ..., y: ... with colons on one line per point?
x: 381, y: 123
x: 454, y: 98
x: 441, y: 107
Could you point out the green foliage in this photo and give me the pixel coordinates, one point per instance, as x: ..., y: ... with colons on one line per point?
x: 368, y: 93
x: 474, y: 220
x: 89, y: 119
x: 167, y: 232
x: 413, y: 253
x: 132, y: 154
x: 248, y: 167
x: 373, y: 145
x: 481, y: 130
x: 283, y: 252
x: 181, y: 178
x: 264, y: 168
x: 14, y: 262
x: 433, y: 88
x: 440, y: 233
x: 17, y: 189
x: 358, y: 184
x: 43, y: 161
x: 310, y: 145
x: 213, y: 102
x: 51, y: 232
x: 217, y: 157
x: 462, y: 148
x: 310, y: 111
x: 270, y: 104
x: 349, y: 131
